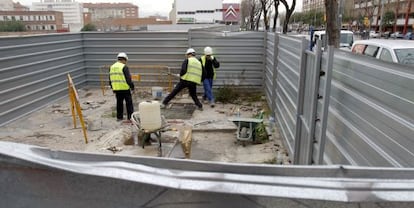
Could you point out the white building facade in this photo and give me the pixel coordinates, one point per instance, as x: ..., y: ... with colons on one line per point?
x: 72, y: 11
x: 197, y: 12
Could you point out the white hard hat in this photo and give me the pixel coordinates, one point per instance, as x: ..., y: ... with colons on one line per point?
x: 190, y: 50
x: 208, y: 51
x: 122, y: 55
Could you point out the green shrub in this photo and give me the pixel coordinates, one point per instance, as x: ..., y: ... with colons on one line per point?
x: 226, y: 94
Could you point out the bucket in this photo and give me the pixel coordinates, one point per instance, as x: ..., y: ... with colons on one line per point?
x: 157, y: 93
x: 150, y: 115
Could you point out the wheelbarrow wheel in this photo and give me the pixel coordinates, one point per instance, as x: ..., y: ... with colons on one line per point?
x: 243, y: 132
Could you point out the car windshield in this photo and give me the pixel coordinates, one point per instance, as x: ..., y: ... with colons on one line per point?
x: 346, y: 39
x: 405, y: 56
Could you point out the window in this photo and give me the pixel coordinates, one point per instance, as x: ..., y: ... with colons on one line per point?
x: 385, y: 55
x: 185, y: 12
x: 405, y: 56
x: 52, y: 27
x: 371, y: 51
x: 359, y: 49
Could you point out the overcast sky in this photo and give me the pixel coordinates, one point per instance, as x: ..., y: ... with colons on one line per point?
x: 146, y: 7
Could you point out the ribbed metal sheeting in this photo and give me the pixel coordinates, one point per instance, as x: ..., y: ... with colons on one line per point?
x: 286, y: 88
x: 33, y: 72
x: 369, y: 122
x: 38, y: 177
x: 371, y: 116
x: 142, y: 48
x: 270, y: 72
x: 241, y: 56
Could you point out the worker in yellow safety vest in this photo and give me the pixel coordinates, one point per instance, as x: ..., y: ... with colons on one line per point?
x: 210, y: 65
x: 191, y: 75
x: 122, y: 85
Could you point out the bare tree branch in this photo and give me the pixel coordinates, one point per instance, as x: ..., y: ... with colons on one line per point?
x: 289, y: 12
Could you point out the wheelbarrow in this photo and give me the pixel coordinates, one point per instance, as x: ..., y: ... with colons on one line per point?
x: 246, y: 127
x: 135, y: 119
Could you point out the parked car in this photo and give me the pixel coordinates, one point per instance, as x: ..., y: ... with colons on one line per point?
x: 397, y: 51
x: 409, y: 36
x: 345, y: 41
x: 397, y: 35
x: 386, y: 34
x: 373, y: 34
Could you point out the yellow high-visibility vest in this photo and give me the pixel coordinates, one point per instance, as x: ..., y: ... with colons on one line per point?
x: 116, y: 75
x: 194, y: 71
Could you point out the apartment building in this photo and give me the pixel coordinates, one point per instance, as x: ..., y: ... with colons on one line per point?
x: 312, y: 5
x: 403, y: 13
x: 101, y: 11
x: 72, y: 11
x: 36, y: 21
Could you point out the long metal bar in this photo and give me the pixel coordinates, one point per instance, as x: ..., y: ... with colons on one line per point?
x: 275, y: 71
x: 308, y: 144
x: 325, y: 104
x: 299, y: 104
x: 40, y: 175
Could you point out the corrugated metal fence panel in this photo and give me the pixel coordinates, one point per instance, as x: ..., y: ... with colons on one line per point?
x: 287, y: 88
x: 240, y: 55
x: 142, y: 48
x: 34, y: 71
x: 269, y: 73
x: 371, y: 117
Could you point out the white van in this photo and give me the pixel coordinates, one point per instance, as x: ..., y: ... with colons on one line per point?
x: 346, y: 40
x: 397, y: 51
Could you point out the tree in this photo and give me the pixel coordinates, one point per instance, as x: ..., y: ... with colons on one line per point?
x: 276, y: 4
x: 12, y: 26
x: 265, y: 6
x: 332, y: 25
x: 388, y: 19
x: 250, y: 13
x: 89, y: 27
x: 370, y: 7
x: 289, y: 12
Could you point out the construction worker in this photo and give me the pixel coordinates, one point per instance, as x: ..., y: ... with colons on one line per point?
x: 122, y: 85
x: 210, y: 65
x: 191, y: 75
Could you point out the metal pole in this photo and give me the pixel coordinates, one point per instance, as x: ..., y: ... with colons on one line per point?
x: 325, y: 105
x: 299, y: 106
x: 340, y: 12
x: 382, y: 15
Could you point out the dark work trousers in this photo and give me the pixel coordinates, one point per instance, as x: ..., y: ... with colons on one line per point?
x: 192, y: 87
x: 120, y: 97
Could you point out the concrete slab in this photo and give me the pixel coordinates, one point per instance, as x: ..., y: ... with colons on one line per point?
x: 213, y: 136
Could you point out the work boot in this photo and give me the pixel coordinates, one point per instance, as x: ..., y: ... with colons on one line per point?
x: 162, y: 106
x: 212, y: 104
x: 200, y: 108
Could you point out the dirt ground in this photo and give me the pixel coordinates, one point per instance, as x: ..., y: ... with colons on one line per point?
x: 213, y: 135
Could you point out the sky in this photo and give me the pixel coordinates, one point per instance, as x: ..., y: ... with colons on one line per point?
x: 146, y: 7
